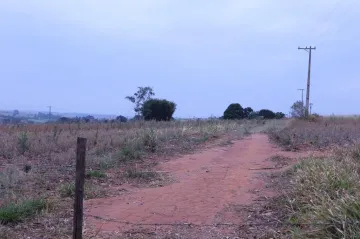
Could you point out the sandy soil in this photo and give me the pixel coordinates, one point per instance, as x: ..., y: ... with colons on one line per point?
x: 207, y: 185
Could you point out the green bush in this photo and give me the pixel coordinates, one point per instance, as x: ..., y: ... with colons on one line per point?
x: 158, y: 109
x: 234, y: 111
x: 267, y: 114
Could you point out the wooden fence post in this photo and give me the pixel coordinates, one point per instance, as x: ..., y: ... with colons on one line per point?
x: 79, y: 188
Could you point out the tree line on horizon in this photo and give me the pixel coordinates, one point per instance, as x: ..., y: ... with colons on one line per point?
x: 236, y: 111
x: 148, y: 108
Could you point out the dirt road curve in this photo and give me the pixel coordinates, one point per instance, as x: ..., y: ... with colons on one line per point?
x: 207, y: 184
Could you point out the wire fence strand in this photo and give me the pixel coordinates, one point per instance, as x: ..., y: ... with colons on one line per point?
x: 189, y: 224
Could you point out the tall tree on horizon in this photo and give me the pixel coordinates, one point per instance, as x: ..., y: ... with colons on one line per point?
x: 142, y: 95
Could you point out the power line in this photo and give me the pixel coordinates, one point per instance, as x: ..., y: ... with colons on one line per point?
x: 343, y: 23
x: 331, y: 12
x: 308, y: 49
x: 189, y: 224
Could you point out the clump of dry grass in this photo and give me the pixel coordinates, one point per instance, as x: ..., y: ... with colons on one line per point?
x: 325, y: 196
x: 142, y: 175
x: 45, y: 141
x: 321, y: 133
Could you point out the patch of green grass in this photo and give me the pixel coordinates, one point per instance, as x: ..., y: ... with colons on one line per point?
x: 13, y: 213
x: 95, y: 174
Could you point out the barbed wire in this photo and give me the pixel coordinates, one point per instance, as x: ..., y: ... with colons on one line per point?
x: 251, y: 224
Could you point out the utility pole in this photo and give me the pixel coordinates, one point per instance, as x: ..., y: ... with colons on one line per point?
x: 308, y: 49
x: 302, y: 96
x: 49, y: 112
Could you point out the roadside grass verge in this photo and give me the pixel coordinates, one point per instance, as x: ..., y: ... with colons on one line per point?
x: 324, y: 196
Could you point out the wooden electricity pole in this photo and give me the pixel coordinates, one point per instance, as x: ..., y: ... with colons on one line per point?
x: 308, y: 49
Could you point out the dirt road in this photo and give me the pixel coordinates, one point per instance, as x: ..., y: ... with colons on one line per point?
x: 207, y: 185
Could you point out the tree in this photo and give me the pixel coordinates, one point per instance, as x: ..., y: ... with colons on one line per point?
x: 158, y: 109
x: 267, y: 114
x: 247, y: 111
x: 279, y: 115
x: 234, y: 111
x: 142, y: 95
x: 297, y: 110
x: 121, y: 118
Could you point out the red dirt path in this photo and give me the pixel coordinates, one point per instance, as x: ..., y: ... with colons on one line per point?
x: 207, y: 184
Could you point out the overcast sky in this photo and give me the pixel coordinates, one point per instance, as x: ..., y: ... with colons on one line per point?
x: 87, y: 55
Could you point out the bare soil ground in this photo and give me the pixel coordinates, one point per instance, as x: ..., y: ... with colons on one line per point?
x: 215, y: 194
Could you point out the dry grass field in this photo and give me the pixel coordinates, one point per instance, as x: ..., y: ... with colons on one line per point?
x: 320, y: 194
x: 38, y: 165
